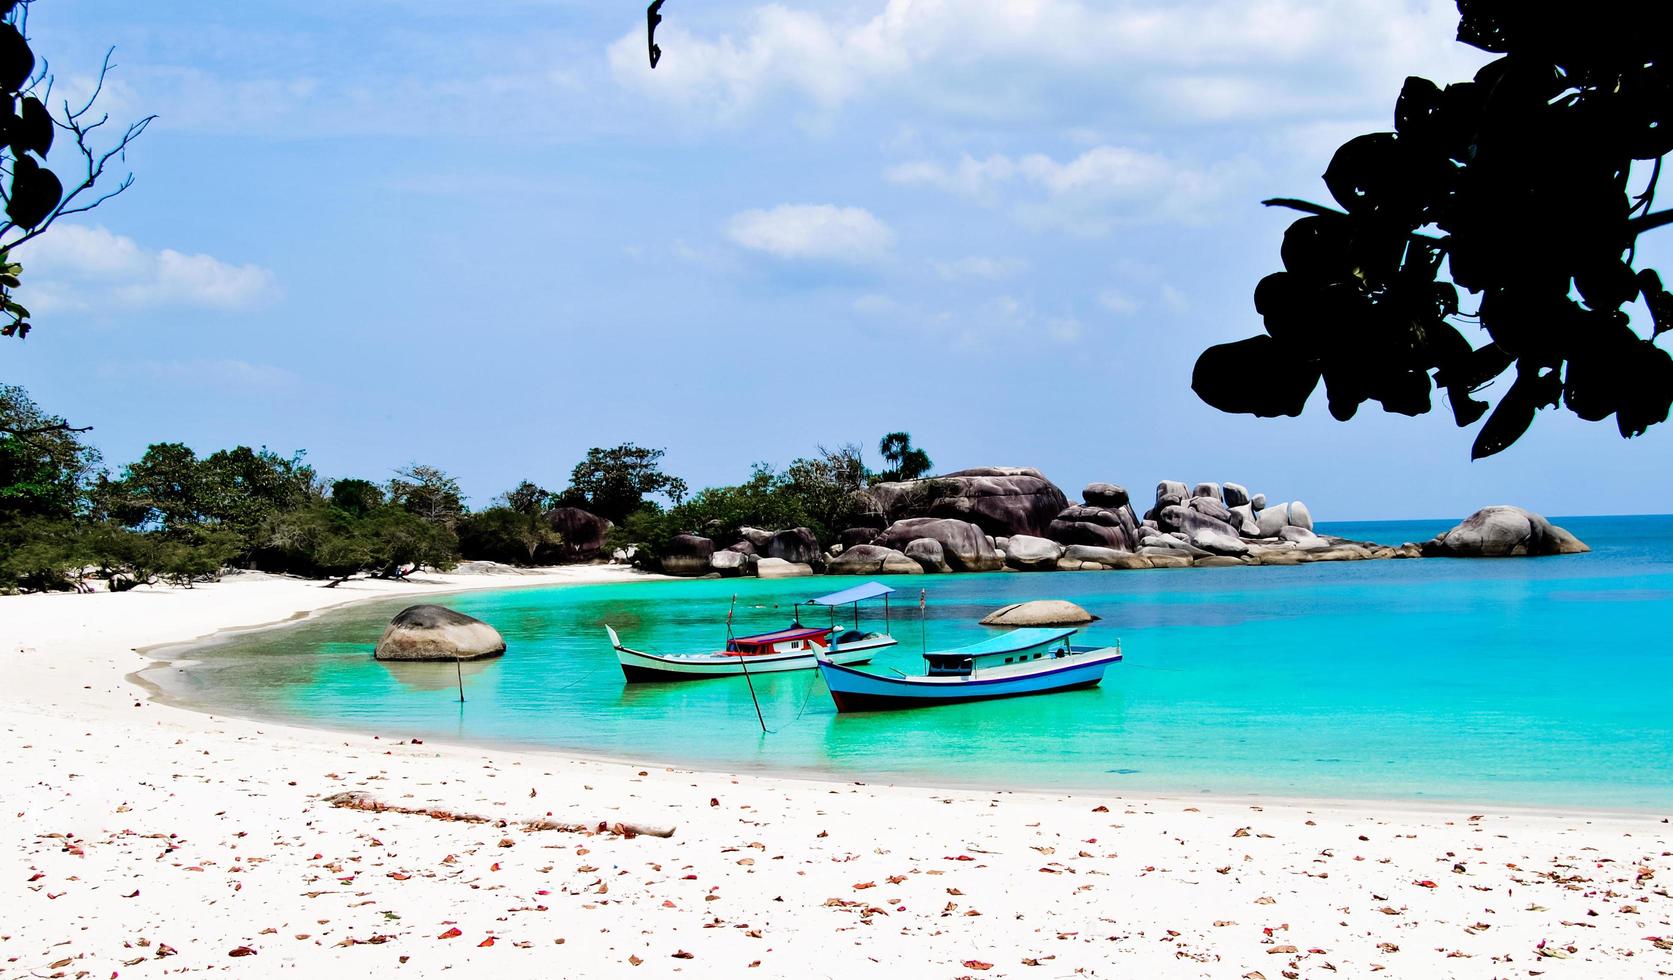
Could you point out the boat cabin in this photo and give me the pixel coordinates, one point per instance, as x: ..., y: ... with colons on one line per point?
x: 794, y: 639
x: 1016, y: 647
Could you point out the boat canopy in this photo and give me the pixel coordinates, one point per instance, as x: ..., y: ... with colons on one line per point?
x: 785, y: 635
x: 1012, y: 642
x: 858, y: 593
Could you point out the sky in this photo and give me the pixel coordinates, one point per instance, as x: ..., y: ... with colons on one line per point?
x: 489, y: 236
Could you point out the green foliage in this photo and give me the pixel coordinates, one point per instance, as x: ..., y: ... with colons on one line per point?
x: 429, y: 493
x: 905, y: 461
x: 45, y: 469
x: 236, y: 490
x: 614, y: 483
x: 359, y: 497
x: 1539, y: 175
x: 510, y: 535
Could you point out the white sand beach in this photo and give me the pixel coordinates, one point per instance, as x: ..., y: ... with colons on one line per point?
x: 150, y: 840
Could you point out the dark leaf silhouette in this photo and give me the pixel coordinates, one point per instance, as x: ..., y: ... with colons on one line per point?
x: 31, y: 131
x: 16, y: 60
x: 1519, y: 186
x: 36, y: 191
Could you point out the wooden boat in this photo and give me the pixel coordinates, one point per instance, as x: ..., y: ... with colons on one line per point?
x: 1015, y: 664
x: 793, y: 648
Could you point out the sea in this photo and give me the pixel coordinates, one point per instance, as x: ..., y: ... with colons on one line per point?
x: 1545, y: 682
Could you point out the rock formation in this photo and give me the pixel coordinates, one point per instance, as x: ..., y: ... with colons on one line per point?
x: 963, y: 544
x: 687, y: 554
x: 1040, y: 612
x: 870, y: 559
x: 1001, y: 500
x: 1504, y: 531
x: 583, y: 532
x: 430, y: 632
x: 1031, y: 554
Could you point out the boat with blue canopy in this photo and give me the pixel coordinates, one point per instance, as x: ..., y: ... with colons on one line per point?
x: 794, y: 647
x: 1014, y: 664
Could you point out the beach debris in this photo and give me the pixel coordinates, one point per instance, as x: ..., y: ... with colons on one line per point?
x: 363, y: 801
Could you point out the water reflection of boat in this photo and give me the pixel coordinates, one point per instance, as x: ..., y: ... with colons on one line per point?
x: 793, y: 648
x: 1021, y: 662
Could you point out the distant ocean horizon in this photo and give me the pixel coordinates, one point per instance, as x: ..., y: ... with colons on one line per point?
x: 1545, y: 682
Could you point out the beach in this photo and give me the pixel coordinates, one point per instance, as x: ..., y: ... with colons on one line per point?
x: 152, y: 840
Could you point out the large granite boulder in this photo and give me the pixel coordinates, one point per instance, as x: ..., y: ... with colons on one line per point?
x: 731, y: 563
x: 756, y: 536
x: 1273, y: 519
x: 869, y: 559
x: 1243, y: 518
x: 1169, y: 493
x: 858, y: 535
x: 779, y: 568
x: 1030, y: 554
x: 1210, y: 507
x: 927, y: 552
x: 1106, y: 495
x: 583, y: 532
x: 963, y: 544
x: 796, y: 545
x: 1001, y: 500
x: 1208, y: 490
x: 687, y: 554
x: 1235, y: 494
x: 1504, y: 531
x: 1040, y: 612
x: 1300, y: 516
x: 1100, y: 526
x: 431, y: 632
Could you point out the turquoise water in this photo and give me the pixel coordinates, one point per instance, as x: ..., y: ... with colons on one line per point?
x: 1541, y: 681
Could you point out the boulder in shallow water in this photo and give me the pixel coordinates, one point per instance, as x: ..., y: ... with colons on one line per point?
x: 779, y: 568
x: 1030, y: 553
x: 1503, y: 531
x: 430, y: 632
x: 870, y: 559
x: 1040, y: 612
x: 927, y: 552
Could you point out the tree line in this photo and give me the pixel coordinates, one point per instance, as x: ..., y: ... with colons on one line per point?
x: 173, y: 516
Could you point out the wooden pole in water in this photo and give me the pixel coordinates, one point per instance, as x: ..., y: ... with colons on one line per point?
x: 459, y: 672
x: 744, y: 663
x: 923, y: 636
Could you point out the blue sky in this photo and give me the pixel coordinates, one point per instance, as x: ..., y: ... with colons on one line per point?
x: 488, y: 237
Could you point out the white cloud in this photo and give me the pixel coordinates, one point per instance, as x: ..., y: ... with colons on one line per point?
x: 1213, y: 59
x: 812, y: 231
x: 1088, y: 194
x: 76, y: 268
x: 980, y: 267
x: 1118, y: 302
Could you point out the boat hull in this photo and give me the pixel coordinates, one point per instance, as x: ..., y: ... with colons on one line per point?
x: 855, y: 690
x: 640, y: 667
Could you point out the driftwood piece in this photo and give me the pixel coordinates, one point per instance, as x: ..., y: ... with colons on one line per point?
x: 364, y: 801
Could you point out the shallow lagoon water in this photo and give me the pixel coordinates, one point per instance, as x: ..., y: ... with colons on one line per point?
x: 1544, y: 682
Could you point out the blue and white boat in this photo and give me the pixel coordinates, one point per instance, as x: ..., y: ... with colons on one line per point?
x: 1014, y: 664
x: 791, y: 648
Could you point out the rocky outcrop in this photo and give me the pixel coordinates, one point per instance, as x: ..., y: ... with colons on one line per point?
x: 1109, y: 496
x: 1040, y: 612
x: 730, y: 563
x: 687, y: 554
x: 759, y: 538
x: 1503, y: 531
x: 927, y: 552
x: 796, y: 545
x: 431, y: 632
x: 869, y: 559
x: 963, y: 544
x: 779, y: 568
x: 858, y: 535
x: 583, y: 532
x: 1001, y: 500
x: 1031, y: 554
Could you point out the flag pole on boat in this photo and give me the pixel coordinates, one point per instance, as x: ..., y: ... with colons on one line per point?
x: 744, y: 663
x: 923, y: 640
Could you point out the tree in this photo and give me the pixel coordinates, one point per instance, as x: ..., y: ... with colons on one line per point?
x: 613, y: 483
x: 45, y: 469
x: 358, y: 497
x: 826, y: 487
x: 429, y: 493
x: 514, y: 529
x: 905, y: 462
x: 1519, y: 184
x: 37, y: 197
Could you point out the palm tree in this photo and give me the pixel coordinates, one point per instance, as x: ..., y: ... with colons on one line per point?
x: 905, y: 462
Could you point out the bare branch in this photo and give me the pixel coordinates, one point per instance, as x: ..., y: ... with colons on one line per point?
x: 23, y: 432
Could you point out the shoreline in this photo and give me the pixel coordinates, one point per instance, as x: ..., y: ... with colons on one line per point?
x: 1405, y: 804
x: 101, y: 779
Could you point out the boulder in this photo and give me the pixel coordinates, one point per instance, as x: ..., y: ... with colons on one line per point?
x: 1106, y: 495
x: 858, y: 535
x: 1243, y: 518
x: 1095, y: 526
x: 1216, y: 561
x: 1235, y: 494
x: 1302, y: 538
x: 779, y: 568
x: 1273, y: 519
x: 1001, y: 500
x: 869, y: 559
x: 929, y: 556
x: 1208, y: 490
x: 431, y: 632
x: 1210, y: 507
x: 1040, y: 612
x: 1300, y: 516
x: 1258, y: 501
x: 743, y: 548
x: 1173, y: 489
x: 1087, y: 552
x: 583, y: 532
x: 687, y: 554
x: 1170, y: 561
x: 796, y: 545
x: 758, y: 537
x: 731, y: 564
x: 1503, y: 531
x: 963, y: 544
x: 1029, y: 553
